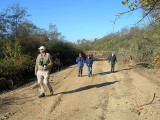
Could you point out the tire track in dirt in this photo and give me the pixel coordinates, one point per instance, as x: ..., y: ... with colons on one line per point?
x: 105, y: 96
x: 90, y: 89
x: 132, y: 91
x: 18, y: 99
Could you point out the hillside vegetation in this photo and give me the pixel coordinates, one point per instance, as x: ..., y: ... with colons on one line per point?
x: 138, y: 44
x: 19, y: 43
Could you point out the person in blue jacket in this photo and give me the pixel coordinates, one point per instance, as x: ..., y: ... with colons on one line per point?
x: 80, y: 63
x: 89, y: 62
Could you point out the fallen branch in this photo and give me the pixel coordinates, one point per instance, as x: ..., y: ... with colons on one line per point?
x: 139, y: 108
x: 149, y: 102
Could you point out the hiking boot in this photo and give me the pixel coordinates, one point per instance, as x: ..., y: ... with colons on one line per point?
x: 42, y: 95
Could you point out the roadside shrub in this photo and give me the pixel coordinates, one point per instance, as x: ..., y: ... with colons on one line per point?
x: 156, y: 60
x: 15, y: 68
x: 12, y: 75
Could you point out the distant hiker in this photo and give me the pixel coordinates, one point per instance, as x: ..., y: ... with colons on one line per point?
x: 80, y: 63
x: 113, y: 60
x: 89, y: 62
x: 42, y: 69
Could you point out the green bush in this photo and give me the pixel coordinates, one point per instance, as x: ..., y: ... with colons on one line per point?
x: 66, y: 52
x: 136, y: 44
x: 14, y: 75
x: 14, y: 67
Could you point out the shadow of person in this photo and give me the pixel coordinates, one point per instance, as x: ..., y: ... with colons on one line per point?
x: 88, y: 87
x: 125, y: 69
x: 104, y: 73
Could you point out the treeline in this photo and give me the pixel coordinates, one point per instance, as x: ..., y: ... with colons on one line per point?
x: 19, y: 43
x: 138, y: 44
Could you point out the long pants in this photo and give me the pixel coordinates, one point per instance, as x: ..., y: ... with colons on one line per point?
x: 43, y: 77
x: 80, y: 70
x: 112, y: 67
x: 89, y: 69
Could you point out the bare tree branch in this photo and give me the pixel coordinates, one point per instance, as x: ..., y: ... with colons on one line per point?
x: 146, y: 14
x: 134, y: 9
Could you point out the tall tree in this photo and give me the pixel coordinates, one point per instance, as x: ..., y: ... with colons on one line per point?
x: 10, y: 18
x: 53, y: 33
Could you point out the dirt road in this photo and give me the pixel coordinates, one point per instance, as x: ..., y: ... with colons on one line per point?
x: 123, y: 95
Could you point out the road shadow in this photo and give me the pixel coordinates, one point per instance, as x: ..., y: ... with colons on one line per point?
x: 96, y: 59
x: 72, y: 66
x: 104, y: 73
x: 126, y: 69
x: 88, y: 87
x: 84, y: 75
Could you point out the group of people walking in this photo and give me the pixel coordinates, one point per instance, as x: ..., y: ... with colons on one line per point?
x: 44, y: 63
x: 89, y: 62
x: 80, y: 62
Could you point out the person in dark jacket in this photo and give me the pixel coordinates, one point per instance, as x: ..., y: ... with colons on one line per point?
x: 113, y: 60
x: 80, y: 63
x: 92, y: 62
x: 89, y: 62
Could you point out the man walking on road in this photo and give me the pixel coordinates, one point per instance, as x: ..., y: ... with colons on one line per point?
x: 80, y: 63
x: 113, y: 60
x: 89, y: 62
x: 42, y: 69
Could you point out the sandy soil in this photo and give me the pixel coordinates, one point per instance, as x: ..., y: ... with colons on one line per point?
x: 123, y: 95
